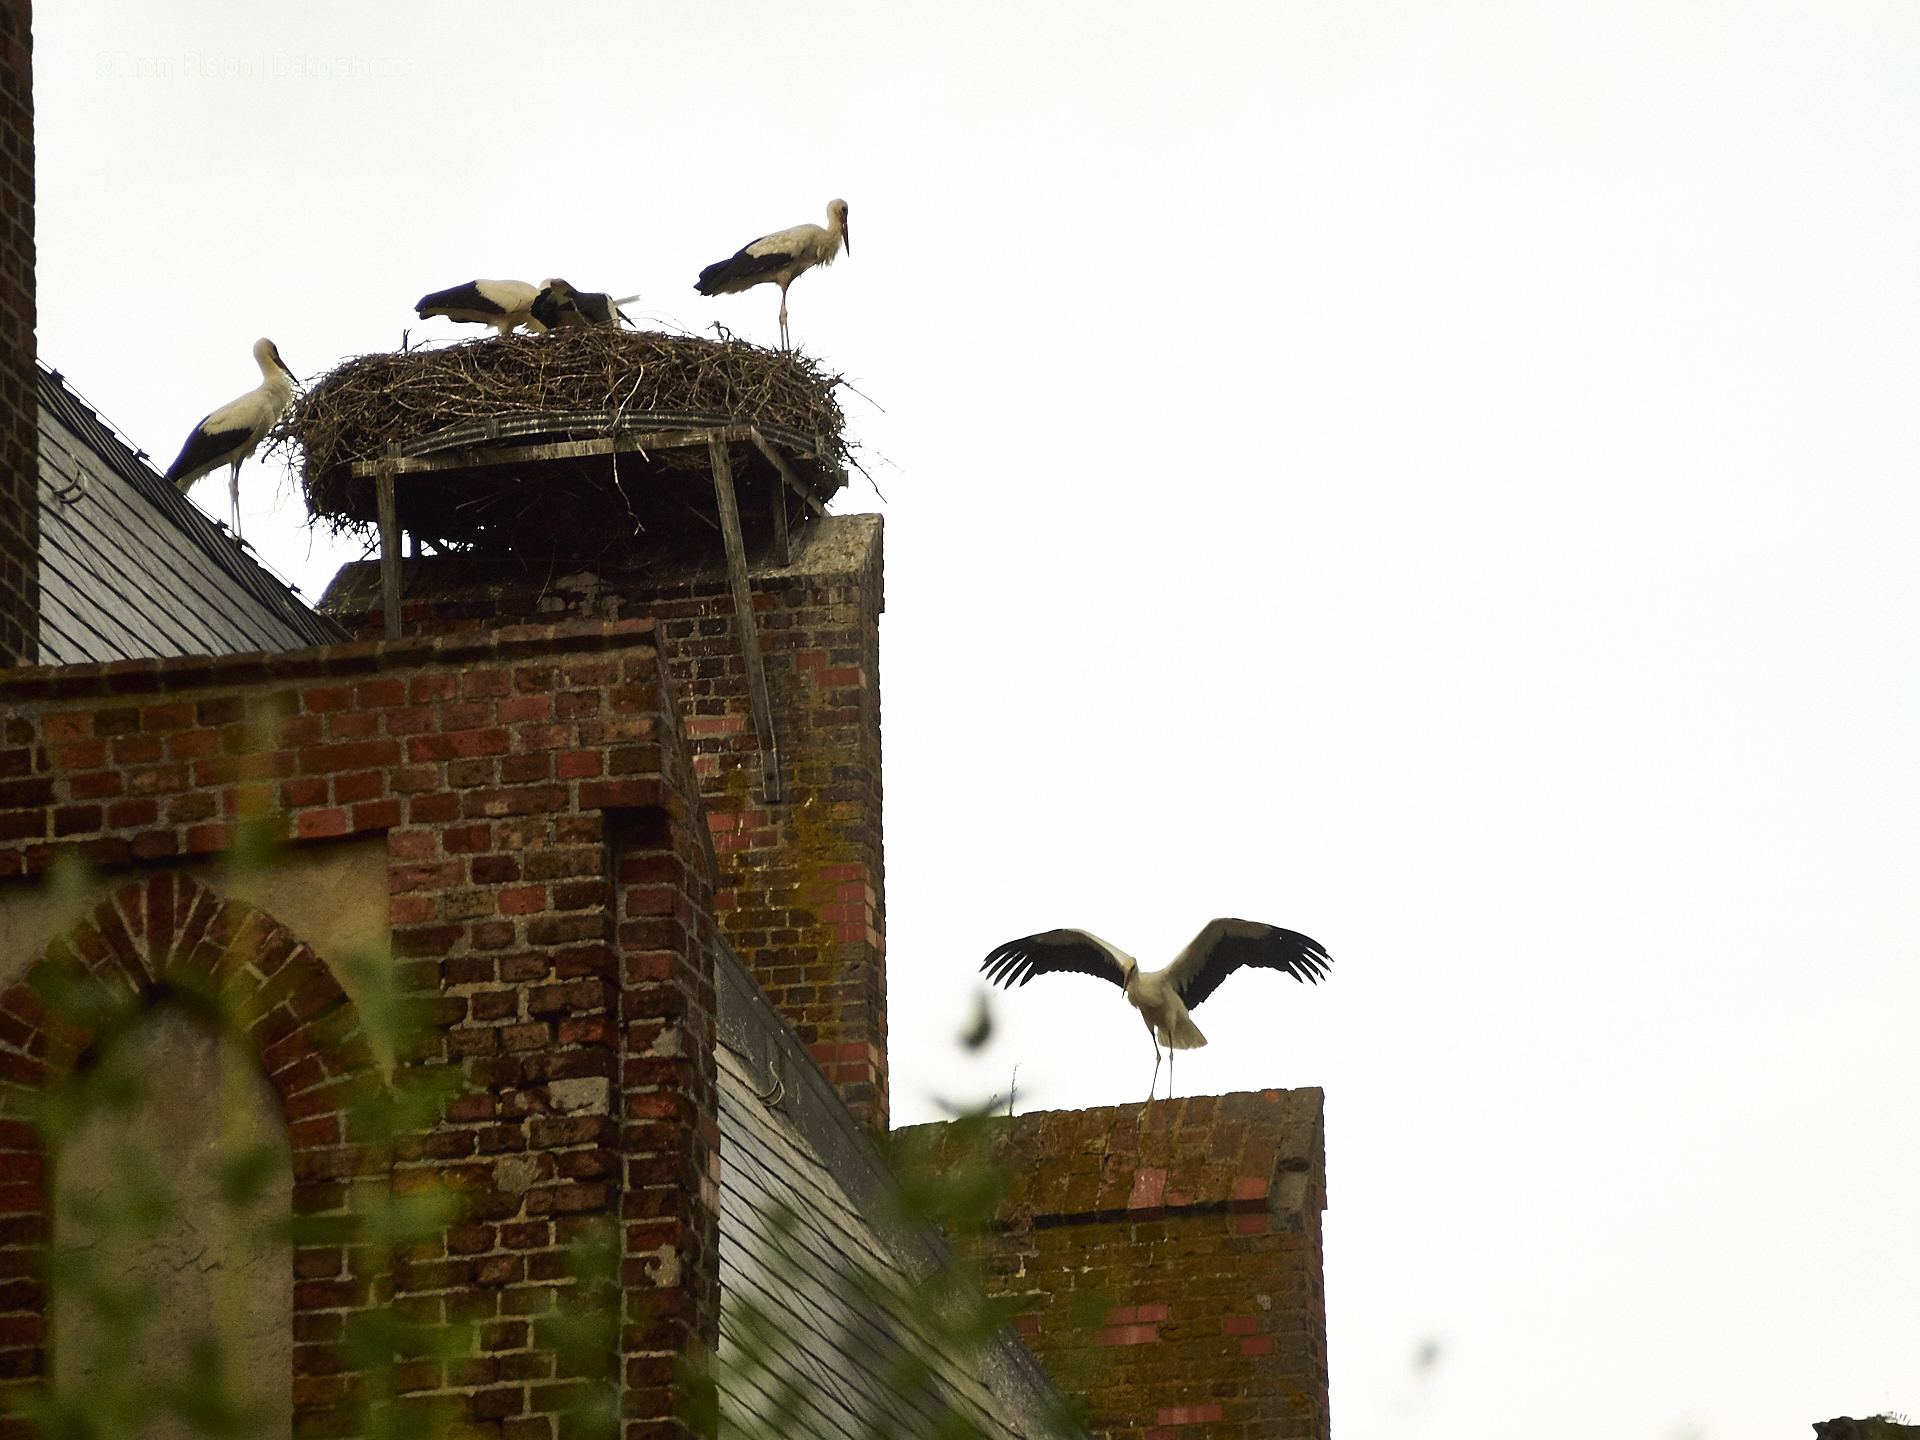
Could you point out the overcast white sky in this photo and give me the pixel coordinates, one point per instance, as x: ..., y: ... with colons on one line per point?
x: 1438, y: 476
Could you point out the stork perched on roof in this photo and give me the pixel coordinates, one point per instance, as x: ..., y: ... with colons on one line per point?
x: 502, y: 304
x: 780, y: 259
x: 233, y: 432
x: 1162, y: 997
x: 560, y: 306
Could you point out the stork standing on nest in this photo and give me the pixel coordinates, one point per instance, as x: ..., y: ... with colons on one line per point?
x: 234, y: 431
x: 1163, y: 997
x: 559, y: 306
x: 780, y: 259
x: 502, y: 304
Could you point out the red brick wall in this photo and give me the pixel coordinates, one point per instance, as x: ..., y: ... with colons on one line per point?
x: 670, y: 1129
x: 1195, y: 1227
x: 802, y: 894
x: 803, y: 881
x: 19, y: 386
x: 550, y: 894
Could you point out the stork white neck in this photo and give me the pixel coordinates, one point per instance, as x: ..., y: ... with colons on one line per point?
x: 267, y: 356
x: 837, y: 233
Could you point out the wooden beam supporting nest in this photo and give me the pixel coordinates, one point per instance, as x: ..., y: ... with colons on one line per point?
x: 716, y: 438
x: 389, y: 540
x: 743, y: 619
x: 777, y: 500
x: 779, y: 462
x: 623, y: 443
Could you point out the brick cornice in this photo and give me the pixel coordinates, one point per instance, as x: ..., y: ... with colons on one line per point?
x: 360, y: 657
x: 1200, y: 1154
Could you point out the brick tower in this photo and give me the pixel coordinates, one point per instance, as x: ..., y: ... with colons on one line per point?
x: 1196, y: 1224
x: 802, y: 892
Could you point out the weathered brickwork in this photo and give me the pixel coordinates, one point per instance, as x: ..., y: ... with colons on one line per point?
x: 551, y: 900
x: 803, y: 880
x: 802, y: 886
x: 19, y: 386
x: 670, y: 1130
x: 1196, y: 1225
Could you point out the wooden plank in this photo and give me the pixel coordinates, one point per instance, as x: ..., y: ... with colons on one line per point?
x: 603, y: 445
x: 779, y: 462
x: 389, y: 541
x: 496, y: 428
x: 558, y: 450
x: 777, y: 500
x: 743, y: 619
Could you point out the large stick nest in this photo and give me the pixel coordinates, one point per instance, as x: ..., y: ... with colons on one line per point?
x: 365, y: 404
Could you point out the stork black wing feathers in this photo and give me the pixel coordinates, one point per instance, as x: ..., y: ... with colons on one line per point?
x: 546, y: 309
x: 461, y: 297
x: 1276, y: 949
x: 742, y: 267
x: 1018, y: 961
x: 595, y: 305
x: 204, y: 449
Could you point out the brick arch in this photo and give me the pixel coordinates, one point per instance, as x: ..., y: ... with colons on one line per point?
x: 147, y: 937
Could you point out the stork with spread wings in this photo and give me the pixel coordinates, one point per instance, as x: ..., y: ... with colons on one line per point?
x: 1163, y: 997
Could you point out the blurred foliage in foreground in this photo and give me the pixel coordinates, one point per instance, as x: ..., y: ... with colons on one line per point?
x: 108, y: 1311
x: 915, y: 1341
x: 898, y: 1331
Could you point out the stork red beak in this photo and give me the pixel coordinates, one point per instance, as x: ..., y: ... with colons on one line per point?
x: 846, y: 236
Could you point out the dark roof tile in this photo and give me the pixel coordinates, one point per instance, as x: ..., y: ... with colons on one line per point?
x: 805, y: 1210
x: 130, y: 570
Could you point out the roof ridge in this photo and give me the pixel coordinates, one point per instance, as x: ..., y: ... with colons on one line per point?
x: 118, y: 451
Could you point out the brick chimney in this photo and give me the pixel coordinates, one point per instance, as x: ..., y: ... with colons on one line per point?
x: 1199, y: 1220
x: 802, y: 890
x: 19, y: 385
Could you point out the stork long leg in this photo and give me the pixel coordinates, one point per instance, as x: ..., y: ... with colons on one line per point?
x: 1154, y: 1083
x: 1169, y: 1072
x: 784, y: 343
x: 233, y: 496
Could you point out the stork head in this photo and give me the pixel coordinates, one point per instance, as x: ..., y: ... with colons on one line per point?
x: 266, y: 355
x: 837, y: 220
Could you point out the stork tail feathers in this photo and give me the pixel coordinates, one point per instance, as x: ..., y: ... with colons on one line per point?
x: 205, y: 451
x: 1185, y: 1035
x: 740, y: 272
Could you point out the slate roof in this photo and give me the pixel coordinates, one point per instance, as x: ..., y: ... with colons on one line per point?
x: 804, y: 1209
x: 130, y: 570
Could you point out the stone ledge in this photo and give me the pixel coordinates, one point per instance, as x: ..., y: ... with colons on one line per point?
x: 354, y: 657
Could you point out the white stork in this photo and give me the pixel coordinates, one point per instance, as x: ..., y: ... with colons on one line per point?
x: 780, y: 259
x: 502, y: 304
x: 234, y: 431
x: 560, y: 306
x: 1163, y: 997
